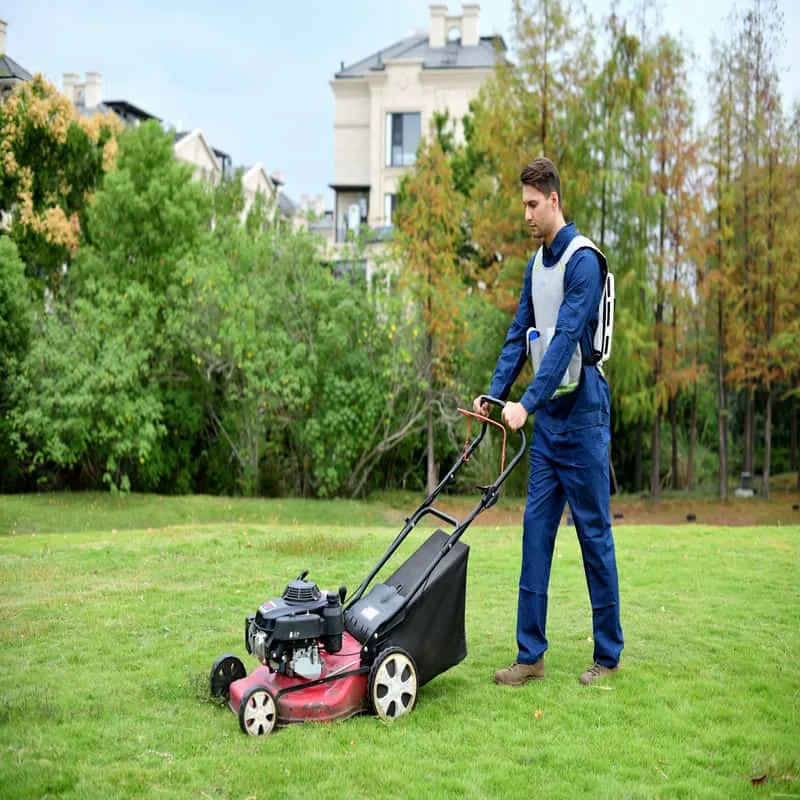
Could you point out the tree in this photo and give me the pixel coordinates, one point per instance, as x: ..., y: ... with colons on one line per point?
x: 15, y: 333
x: 428, y: 232
x: 52, y: 163
x: 721, y: 222
x: 104, y: 386
x: 675, y: 159
x: 622, y: 208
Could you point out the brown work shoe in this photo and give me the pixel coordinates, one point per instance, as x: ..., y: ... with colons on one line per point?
x: 596, y: 672
x: 520, y: 674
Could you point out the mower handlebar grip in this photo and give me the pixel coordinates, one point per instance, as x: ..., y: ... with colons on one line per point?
x: 493, y: 400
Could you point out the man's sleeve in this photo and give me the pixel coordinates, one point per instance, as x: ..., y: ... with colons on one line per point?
x: 512, y: 356
x: 583, y: 286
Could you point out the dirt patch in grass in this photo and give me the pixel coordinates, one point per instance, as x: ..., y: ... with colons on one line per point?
x: 635, y: 510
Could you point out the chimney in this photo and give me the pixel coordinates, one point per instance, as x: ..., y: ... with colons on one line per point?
x: 94, y: 89
x: 438, y: 33
x: 469, y: 24
x: 69, y: 80
x: 3, y: 35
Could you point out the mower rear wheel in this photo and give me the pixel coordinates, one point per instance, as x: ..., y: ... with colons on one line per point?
x: 258, y: 712
x: 393, y: 683
x: 225, y: 671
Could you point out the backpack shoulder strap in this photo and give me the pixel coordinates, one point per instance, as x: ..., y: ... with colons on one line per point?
x: 578, y: 243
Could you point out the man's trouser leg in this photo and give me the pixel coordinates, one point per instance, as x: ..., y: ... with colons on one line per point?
x: 540, y: 524
x: 583, y: 469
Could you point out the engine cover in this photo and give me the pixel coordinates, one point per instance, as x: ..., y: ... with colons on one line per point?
x: 301, y: 619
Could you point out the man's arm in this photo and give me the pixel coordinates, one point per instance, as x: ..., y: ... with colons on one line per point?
x: 583, y: 286
x: 514, y: 352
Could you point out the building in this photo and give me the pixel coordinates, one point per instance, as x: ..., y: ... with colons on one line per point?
x: 11, y: 73
x: 191, y: 147
x: 385, y: 104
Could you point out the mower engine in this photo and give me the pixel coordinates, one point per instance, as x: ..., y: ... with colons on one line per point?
x: 286, y: 633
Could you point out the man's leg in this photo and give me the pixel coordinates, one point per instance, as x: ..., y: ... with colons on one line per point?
x: 540, y: 524
x: 584, y: 472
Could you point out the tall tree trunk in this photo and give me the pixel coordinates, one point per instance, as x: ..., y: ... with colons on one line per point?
x: 722, y: 403
x: 545, y: 76
x: 655, y: 473
x: 638, y: 462
x: 673, y: 421
x: 767, y: 445
x: 793, y: 465
x: 690, y: 469
x: 431, y: 461
x: 749, y: 430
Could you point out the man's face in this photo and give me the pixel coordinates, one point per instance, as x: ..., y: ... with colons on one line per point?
x: 540, y: 211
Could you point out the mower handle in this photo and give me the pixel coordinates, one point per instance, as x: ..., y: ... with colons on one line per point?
x: 489, y: 496
x: 523, y: 441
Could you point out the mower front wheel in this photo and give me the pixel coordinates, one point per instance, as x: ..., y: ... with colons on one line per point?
x: 225, y: 671
x: 393, y: 683
x: 258, y: 712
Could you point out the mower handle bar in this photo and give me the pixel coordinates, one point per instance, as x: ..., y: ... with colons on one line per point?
x: 489, y: 497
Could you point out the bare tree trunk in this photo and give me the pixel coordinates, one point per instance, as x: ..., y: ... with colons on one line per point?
x: 637, y: 473
x: 655, y: 473
x: 432, y: 477
x: 722, y: 403
x: 749, y: 431
x: 767, y: 444
x: 794, y: 466
x: 673, y: 421
x: 690, y: 479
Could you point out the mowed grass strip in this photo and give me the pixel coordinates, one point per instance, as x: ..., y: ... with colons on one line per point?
x: 107, y: 641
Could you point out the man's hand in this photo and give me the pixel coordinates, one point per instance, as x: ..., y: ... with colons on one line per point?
x: 480, y: 406
x: 514, y: 415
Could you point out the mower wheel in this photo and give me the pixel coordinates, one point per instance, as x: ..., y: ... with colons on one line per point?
x: 393, y: 683
x: 225, y: 671
x: 258, y: 712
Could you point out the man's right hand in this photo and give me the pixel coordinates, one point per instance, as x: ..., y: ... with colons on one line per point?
x: 480, y: 406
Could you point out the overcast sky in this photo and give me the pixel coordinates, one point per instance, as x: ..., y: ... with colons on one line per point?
x: 254, y: 76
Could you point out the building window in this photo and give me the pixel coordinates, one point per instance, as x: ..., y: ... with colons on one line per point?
x: 402, y: 139
x: 389, y: 207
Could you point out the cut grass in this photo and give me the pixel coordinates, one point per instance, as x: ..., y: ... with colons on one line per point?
x: 107, y: 641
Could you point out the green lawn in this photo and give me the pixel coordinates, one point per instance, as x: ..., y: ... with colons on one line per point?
x: 112, y: 616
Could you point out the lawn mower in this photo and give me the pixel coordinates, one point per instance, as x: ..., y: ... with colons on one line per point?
x: 323, y: 657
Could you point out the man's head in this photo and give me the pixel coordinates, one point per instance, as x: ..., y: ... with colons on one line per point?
x: 541, y: 194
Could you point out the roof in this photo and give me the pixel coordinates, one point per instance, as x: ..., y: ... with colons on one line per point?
x: 221, y: 154
x: 285, y: 204
x: 124, y: 108
x: 179, y: 136
x: 453, y: 55
x: 10, y: 69
x: 84, y: 111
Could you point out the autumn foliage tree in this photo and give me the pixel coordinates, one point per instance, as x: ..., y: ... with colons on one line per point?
x: 427, y: 237
x: 51, y: 162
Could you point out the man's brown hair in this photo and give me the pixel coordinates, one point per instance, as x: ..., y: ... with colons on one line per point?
x: 542, y: 174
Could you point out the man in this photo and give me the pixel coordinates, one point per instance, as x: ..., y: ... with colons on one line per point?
x: 569, y: 460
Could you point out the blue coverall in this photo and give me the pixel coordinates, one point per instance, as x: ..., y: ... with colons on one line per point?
x: 568, y: 456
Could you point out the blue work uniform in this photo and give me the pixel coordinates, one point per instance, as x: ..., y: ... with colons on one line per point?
x: 568, y: 456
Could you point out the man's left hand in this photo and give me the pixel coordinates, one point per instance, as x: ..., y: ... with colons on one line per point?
x: 514, y: 415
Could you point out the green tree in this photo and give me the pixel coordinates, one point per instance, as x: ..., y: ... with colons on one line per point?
x: 15, y: 332
x: 104, y: 386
